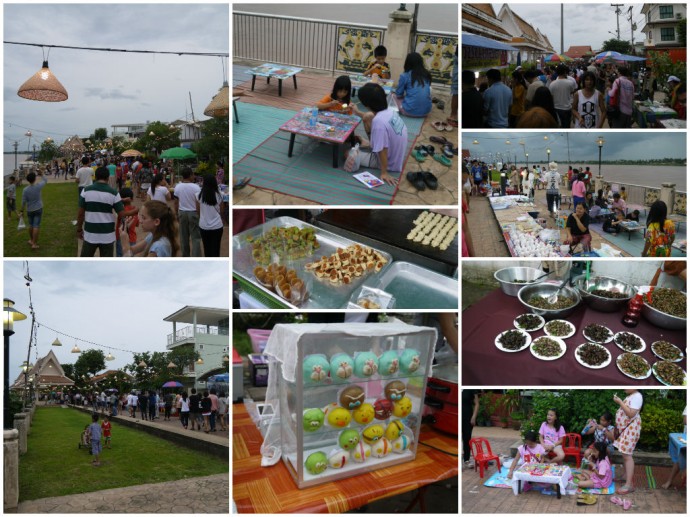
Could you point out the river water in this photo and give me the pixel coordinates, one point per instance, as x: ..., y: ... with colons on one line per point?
x: 8, y: 162
x: 647, y: 176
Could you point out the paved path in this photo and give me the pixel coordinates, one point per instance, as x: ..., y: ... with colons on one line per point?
x: 208, y: 494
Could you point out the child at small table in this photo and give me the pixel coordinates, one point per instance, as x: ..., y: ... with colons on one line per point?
x: 379, y: 66
x: 531, y: 451
x: 601, y: 473
x: 106, y: 427
x: 339, y: 99
x: 551, y: 436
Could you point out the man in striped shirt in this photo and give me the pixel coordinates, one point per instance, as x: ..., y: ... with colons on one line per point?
x: 99, y: 206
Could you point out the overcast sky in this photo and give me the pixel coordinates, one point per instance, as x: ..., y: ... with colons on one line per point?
x: 583, y: 24
x: 113, y: 303
x: 630, y: 144
x: 108, y: 88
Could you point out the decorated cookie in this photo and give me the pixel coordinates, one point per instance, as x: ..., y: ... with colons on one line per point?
x: 348, y: 439
x: 401, y: 444
x: 381, y: 448
x: 409, y: 361
x: 338, y: 417
x: 403, y: 407
x: 316, y: 463
x: 351, y: 397
x: 389, y: 363
x: 342, y: 366
x: 361, y: 452
x: 394, y: 430
x: 364, y: 414
x: 383, y: 409
x: 312, y: 419
x: 338, y: 458
x: 395, y: 390
x: 315, y: 368
x: 366, y: 364
x: 372, y: 434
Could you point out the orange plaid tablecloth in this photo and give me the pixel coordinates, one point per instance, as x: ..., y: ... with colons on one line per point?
x: 272, y: 489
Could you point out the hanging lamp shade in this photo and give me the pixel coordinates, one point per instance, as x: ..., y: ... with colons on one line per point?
x: 172, y: 365
x: 109, y: 357
x: 142, y: 364
x: 220, y: 104
x: 76, y: 350
x: 43, y: 86
x: 200, y: 361
x: 57, y: 342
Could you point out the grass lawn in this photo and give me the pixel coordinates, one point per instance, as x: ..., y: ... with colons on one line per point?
x: 58, y: 237
x: 55, y: 466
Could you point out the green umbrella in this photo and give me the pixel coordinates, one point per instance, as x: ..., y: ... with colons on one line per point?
x: 177, y: 153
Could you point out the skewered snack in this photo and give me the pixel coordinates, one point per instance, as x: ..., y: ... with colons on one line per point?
x: 288, y: 243
x: 343, y: 266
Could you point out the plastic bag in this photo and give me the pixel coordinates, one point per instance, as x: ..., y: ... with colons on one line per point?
x: 353, y: 160
x: 21, y: 225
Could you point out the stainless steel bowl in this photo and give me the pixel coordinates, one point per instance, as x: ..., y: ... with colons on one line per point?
x: 545, y: 290
x: 506, y: 276
x: 600, y: 303
x: 661, y: 319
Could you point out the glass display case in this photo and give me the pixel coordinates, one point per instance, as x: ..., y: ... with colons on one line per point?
x: 350, y: 396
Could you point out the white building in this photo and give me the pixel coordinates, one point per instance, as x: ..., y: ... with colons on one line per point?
x: 207, y: 331
x: 661, y: 25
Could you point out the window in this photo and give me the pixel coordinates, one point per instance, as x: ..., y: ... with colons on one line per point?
x: 668, y: 34
x: 665, y: 12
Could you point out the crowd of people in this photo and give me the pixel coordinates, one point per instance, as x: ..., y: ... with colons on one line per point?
x: 188, y: 221
x: 562, y: 96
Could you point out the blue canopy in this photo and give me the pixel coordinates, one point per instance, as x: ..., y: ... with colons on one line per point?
x: 473, y: 40
x: 223, y: 377
x: 626, y: 57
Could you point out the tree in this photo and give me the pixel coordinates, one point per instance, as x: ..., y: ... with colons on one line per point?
x: 119, y: 144
x: 682, y: 28
x: 164, y: 137
x: 90, y: 362
x: 69, y: 370
x: 99, y: 134
x: 49, y: 150
x: 214, y: 144
x: 616, y: 45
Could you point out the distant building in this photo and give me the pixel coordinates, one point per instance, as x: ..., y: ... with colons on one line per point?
x: 46, y: 375
x: 206, y: 330
x: 532, y: 43
x: 661, y: 29
x: 130, y: 131
x: 481, y: 19
x: 579, y: 52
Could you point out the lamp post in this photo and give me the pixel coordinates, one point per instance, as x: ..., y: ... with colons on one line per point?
x: 15, y: 145
x: 600, y: 143
x: 9, y: 316
x: 527, y: 160
x: 548, y: 156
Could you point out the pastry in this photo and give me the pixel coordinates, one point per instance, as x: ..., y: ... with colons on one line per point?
x: 315, y: 368
x: 364, y: 414
x: 312, y: 419
x: 389, y: 363
x: 383, y: 409
x: 348, y: 439
x: 394, y: 430
x: 401, y: 444
x: 351, y: 397
x: 339, y: 417
x: 395, y: 390
x: 316, y: 463
x: 381, y: 448
x: 342, y: 366
x: 372, y: 434
x: 338, y: 458
x: 366, y: 364
x: 409, y: 361
x: 361, y: 452
x: 403, y: 407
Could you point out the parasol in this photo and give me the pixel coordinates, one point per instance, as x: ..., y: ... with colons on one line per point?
x: 178, y: 153
x: 220, y: 104
x: 131, y: 152
x: 172, y: 384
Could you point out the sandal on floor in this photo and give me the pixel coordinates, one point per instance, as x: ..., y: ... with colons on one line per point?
x: 440, y: 105
x: 430, y: 149
x: 616, y: 500
x: 419, y: 155
x: 434, y: 100
x: 439, y: 126
x: 242, y: 183
x: 442, y: 140
x: 416, y: 179
x: 452, y: 122
x: 626, y: 490
x: 442, y: 160
x: 586, y: 499
x: 627, y: 504
x: 448, y: 152
x: 430, y: 180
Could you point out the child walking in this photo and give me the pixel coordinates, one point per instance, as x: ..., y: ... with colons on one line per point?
x: 105, y: 427
x: 601, y: 474
x: 158, y: 219
x: 551, y: 436
x: 95, y: 430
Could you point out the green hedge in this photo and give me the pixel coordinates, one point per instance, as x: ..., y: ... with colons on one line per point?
x: 661, y: 413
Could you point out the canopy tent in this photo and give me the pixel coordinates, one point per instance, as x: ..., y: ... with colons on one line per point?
x: 557, y: 58
x: 480, y: 53
x: 474, y: 40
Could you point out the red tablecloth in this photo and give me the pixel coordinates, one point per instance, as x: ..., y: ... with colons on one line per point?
x: 484, y: 365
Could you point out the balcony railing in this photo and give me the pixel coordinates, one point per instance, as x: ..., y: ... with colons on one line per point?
x: 188, y: 333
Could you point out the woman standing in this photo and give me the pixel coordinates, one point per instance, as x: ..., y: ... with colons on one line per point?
x: 517, y: 108
x: 628, y: 427
x: 209, y: 206
x: 579, y: 189
x: 589, y: 110
x: 184, y: 410
x: 661, y: 232
x: 206, y: 404
x: 159, y: 190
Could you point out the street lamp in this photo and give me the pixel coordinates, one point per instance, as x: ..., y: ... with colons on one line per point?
x: 9, y: 316
x: 527, y: 160
x: 600, y: 143
x: 548, y: 156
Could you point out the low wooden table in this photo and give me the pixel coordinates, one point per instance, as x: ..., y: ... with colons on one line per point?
x: 558, y: 475
x: 342, y: 127
x: 633, y: 229
x: 280, y: 72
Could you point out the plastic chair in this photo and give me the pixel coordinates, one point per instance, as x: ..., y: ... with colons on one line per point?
x: 573, y: 447
x: 482, y: 458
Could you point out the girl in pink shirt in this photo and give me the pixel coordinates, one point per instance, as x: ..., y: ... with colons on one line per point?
x: 551, y: 436
x: 601, y: 474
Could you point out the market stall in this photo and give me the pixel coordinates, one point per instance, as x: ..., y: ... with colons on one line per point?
x: 625, y: 345
x: 344, y: 262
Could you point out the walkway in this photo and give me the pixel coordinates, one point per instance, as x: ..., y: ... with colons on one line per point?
x: 208, y: 494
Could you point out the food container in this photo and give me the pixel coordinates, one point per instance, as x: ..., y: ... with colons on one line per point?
x: 416, y: 287
x: 369, y: 298
x: 330, y: 398
x: 506, y: 276
x: 661, y: 319
x: 546, y: 289
x: 442, y: 397
x: 259, y: 338
x: 601, y: 303
x: 258, y: 372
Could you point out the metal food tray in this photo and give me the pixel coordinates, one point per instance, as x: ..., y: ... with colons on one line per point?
x: 415, y: 287
x: 323, y: 294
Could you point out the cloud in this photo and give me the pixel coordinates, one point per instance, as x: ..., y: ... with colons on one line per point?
x: 68, y: 109
x: 108, y: 94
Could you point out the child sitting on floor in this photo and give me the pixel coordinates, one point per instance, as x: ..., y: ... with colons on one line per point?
x: 413, y: 95
x: 339, y: 99
x: 603, y: 431
x: 379, y: 66
x: 530, y: 451
x: 601, y: 473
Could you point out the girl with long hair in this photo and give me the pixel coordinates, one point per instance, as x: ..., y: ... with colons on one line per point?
x: 210, y: 206
x: 158, y: 190
x: 413, y: 95
x: 158, y: 219
x: 661, y: 232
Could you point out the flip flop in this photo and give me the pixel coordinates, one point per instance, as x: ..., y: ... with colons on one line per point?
x: 439, y: 126
x: 417, y: 155
x: 616, y: 500
x: 586, y: 499
x: 442, y: 140
x: 452, y: 122
x: 627, y: 504
x: 422, y: 150
x: 442, y: 160
x: 430, y: 149
x: 626, y: 490
x: 430, y: 180
x: 434, y: 100
x: 448, y: 127
x: 440, y: 105
x: 448, y: 152
x: 243, y: 183
x: 416, y: 179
